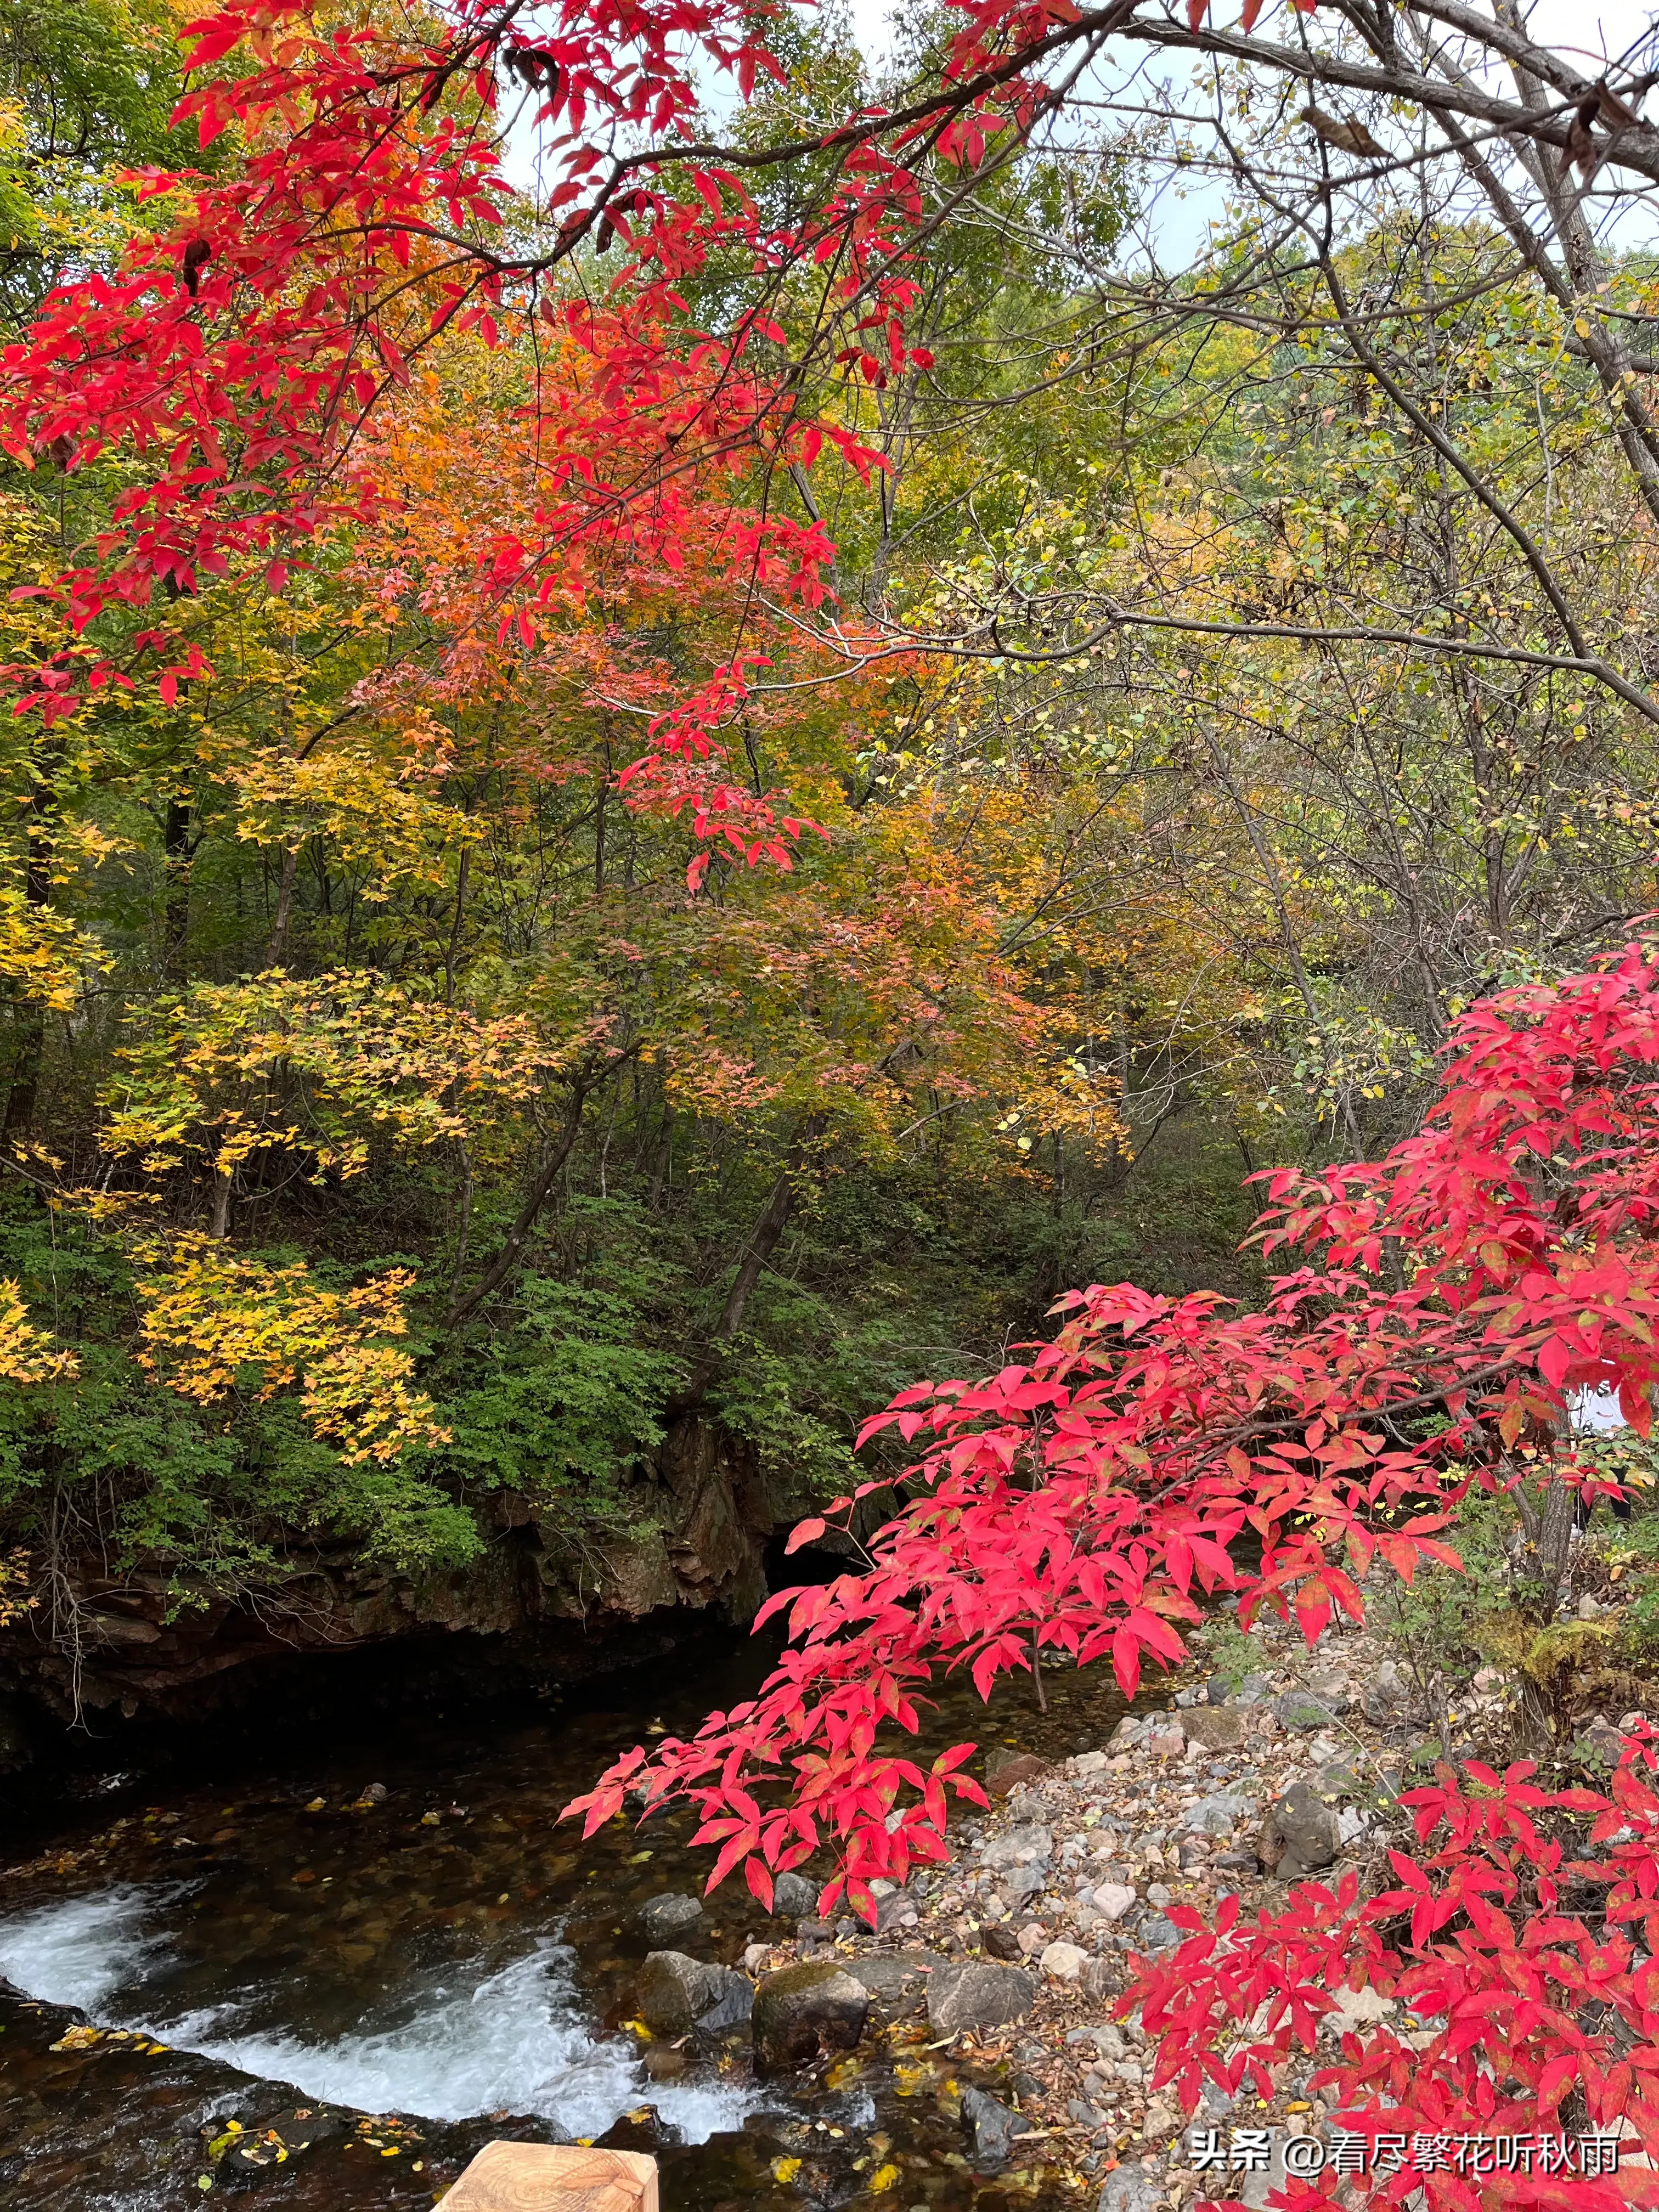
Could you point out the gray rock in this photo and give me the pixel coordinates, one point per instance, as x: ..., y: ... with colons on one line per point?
x: 795, y: 1898
x: 1301, y: 1834
x: 803, y: 2012
x: 677, y: 1995
x: 1022, y: 1847
x: 1214, y: 1728
x: 1300, y: 1709
x: 1252, y: 1691
x: 1387, y: 1696
x: 896, y: 1980
x: 1155, y: 1933
x: 1218, y: 1815
x: 1129, y: 2189
x: 990, y: 2128
x: 976, y: 1996
x: 896, y: 1909
x: 1097, y: 1981
x: 660, y: 1919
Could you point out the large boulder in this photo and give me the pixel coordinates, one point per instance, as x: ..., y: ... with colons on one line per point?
x: 660, y: 1919
x: 1301, y: 1834
x: 677, y: 1995
x: 977, y: 1996
x: 803, y: 2012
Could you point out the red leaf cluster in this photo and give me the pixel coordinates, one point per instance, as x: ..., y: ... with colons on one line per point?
x: 1090, y: 1497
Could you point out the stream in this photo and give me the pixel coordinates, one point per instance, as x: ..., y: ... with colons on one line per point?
x: 396, y: 1983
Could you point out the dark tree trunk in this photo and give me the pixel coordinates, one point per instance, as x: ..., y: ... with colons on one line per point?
x: 25, y: 1089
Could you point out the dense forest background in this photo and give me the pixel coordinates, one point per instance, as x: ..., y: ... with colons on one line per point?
x: 1238, y: 665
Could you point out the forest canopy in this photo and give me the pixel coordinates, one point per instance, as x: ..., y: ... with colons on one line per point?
x: 691, y: 716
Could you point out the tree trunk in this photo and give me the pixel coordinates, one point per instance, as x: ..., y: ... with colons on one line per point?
x: 1548, y: 1523
x: 762, y: 1242
x: 511, y: 1250
x: 25, y: 1089
x: 175, y: 914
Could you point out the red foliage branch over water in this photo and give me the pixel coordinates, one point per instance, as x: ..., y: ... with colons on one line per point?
x: 1090, y: 1497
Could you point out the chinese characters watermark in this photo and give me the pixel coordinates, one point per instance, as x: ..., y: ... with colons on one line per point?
x: 1250, y: 2150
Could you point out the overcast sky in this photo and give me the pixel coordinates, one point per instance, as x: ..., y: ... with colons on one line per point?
x: 1588, y: 33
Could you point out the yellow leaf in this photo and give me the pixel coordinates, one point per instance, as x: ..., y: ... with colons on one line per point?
x: 885, y: 2176
x: 785, y: 2169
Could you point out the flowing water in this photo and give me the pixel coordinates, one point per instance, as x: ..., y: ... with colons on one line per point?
x: 420, y: 1975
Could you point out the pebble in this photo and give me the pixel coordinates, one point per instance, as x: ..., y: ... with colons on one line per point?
x: 1075, y: 1868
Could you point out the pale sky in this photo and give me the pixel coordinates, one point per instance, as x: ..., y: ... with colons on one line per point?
x: 1567, y: 24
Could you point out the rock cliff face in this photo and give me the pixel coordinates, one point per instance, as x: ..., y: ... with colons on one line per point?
x: 541, y: 1599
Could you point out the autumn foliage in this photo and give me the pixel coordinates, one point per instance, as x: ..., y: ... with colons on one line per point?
x: 1090, y: 1498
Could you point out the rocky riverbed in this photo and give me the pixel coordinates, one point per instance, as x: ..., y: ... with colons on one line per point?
x: 416, y: 1956
x: 1001, y: 1975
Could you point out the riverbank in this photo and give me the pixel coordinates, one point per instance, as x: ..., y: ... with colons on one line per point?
x: 1238, y: 1787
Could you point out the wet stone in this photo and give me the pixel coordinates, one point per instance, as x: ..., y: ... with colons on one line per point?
x: 1008, y: 1771
x: 805, y: 2013
x: 677, y: 1994
x: 794, y: 1896
x: 991, y: 2129
x: 662, y: 1919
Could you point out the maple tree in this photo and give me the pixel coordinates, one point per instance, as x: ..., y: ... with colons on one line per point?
x: 305, y: 622
x: 1089, y: 1498
x: 1531, y: 2016
x: 246, y: 340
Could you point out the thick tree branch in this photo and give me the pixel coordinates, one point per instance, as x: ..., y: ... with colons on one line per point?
x: 510, y: 1252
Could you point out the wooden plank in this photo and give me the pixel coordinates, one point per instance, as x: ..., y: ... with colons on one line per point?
x: 514, y: 2176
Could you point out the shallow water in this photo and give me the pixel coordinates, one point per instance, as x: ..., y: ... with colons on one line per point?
x: 442, y: 1981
